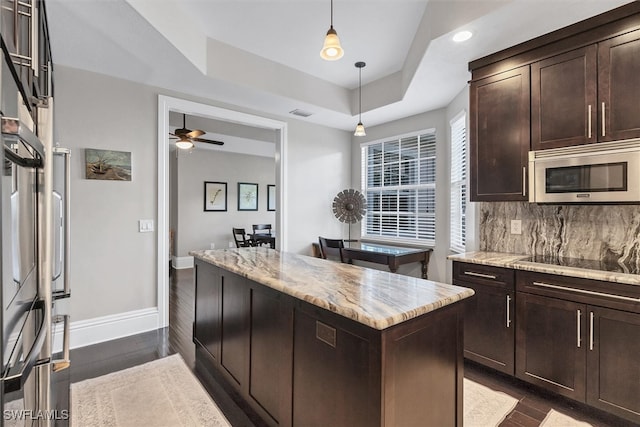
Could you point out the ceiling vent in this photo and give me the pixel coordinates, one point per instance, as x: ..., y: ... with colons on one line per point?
x: 299, y: 112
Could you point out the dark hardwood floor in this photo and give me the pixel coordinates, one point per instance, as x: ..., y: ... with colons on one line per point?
x: 92, y: 361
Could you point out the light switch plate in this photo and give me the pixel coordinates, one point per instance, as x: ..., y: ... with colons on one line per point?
x: 516, y: 226
x: 145, y: 225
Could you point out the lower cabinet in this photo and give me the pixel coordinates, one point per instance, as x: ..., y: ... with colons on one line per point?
x: 580, y: 338
x: 489, y: 326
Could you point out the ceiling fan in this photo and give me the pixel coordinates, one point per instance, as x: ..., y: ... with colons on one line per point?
x: 186, y: 137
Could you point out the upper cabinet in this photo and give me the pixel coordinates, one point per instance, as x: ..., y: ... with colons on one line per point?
x: 587, y: 95
x: 577, y: 85
x: 619, y: 87
x: 499, y: 136
x: 563, y: 99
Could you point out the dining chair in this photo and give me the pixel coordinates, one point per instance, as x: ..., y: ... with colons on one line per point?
x: 262, y: 234
x: 240, y: 236
x: 262, y: 229
x: 331, y: 247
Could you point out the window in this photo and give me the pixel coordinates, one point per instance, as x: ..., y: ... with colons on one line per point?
x: 458, y: 183
x: 399, y: 182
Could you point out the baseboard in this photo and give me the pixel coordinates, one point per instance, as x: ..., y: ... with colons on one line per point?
x: 106, y: 328
x: 180, y: 262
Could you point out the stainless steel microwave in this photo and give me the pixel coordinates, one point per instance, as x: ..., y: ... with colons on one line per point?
x: 607, y: 172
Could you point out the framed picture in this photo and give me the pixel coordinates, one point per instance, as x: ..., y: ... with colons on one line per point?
x: 247, y: 196
x: 107, y: 164
x: 271, y: 197
x: 215, y: 196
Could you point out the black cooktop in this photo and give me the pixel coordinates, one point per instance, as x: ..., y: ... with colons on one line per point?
x: 590, y: 264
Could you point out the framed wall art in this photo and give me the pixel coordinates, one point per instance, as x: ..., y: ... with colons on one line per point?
x: 215, y: 196
x: 107, y: 164
x: 247, y: 196
x: 271, y: 197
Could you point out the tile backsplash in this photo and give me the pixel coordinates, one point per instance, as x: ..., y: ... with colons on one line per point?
x: 601, y: 232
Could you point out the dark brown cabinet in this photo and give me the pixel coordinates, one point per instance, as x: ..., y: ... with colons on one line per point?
x: 489, y: 315
x: 587, y: 95
x: 500, y: 136
x: 580, y: 338
x: 613, y: 377
x: 563, y: 99
x: 206, y: 328
x: 619, y: 87
x: 550, y: 351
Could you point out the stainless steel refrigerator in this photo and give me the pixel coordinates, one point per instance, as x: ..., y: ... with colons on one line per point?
x: 34, y: 195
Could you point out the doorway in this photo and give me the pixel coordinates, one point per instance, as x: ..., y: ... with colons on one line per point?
x: 166, y: 104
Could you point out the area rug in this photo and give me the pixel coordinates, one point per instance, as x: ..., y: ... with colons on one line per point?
x: 484, y: 407
x: 159, y: 393
x: 558, y: 419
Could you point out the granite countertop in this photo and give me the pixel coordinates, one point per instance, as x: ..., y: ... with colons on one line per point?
x: 378, y: 299
x: 523, y: 262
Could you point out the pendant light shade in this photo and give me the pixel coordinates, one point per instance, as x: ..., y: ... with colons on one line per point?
x: 360, y: 127
x: 331, y: 50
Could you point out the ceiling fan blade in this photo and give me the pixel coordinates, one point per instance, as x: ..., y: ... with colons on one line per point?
x: 208, y: 141
x: 195, y: 133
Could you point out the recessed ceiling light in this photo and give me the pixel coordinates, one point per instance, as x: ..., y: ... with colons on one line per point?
x: 462, y: 36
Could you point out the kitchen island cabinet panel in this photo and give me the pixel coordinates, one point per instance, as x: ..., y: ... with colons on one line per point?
x: 335, y: 379
x: 270, y: 353
x: 613, y: 377
x: 234, y: 327
x: 206, y: 329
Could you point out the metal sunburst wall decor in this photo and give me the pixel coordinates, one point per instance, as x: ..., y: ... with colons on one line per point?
x: 349, y: 206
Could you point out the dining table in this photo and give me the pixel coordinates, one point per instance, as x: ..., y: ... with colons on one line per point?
x: 392, y: 256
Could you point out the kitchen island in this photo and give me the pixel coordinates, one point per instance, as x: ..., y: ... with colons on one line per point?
x: 310, y: 342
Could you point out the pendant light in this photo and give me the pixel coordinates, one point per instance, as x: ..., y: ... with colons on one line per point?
x: 331, y: 50
x: 360, y: 128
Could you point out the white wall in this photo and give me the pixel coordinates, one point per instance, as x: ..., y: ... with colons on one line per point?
x: 197, y: 228
x: 113, y: 268
x: 433, y: 119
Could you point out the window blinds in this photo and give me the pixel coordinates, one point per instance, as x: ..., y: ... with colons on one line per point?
x: 398, y: 177
x: 458, y: 183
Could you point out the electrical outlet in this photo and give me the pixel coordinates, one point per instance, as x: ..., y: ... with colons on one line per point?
x: 516, y: 226
x: 231, y: 244
x: 213, y: 245
x: 145, y: 225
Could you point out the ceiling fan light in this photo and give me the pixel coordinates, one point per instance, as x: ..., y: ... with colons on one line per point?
x: 184, y: 144
x: 331, y: 50
x: 360, y: 130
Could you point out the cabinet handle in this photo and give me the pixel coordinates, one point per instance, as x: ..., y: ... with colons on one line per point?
x: 579, y: 314
x: 484, y: 276
x: 591, y: 330
x: 508, y: 311
x: 589, y: 121
x: 603, y: 121
x: 584, y: 291
x: 524, y: 180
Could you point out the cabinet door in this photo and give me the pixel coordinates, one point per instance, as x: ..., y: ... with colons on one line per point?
x: 270, y: 366
x: 550, y: 344
x: 619, y: 87
x: 488, y: 327
x: 234, y: 348
x: 613, y: 377
x: 563, y: 99
x: 206, y: 329
x: 500, y: 136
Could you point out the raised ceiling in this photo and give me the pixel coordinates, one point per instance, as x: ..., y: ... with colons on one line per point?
x: 264, y: 54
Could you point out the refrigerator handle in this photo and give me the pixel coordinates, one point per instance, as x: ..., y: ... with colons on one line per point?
x: 61, y: 364
x: 67, y: 219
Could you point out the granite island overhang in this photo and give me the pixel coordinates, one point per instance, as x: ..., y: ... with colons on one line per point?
x: 306, y: 341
